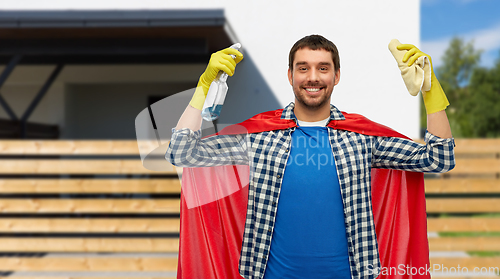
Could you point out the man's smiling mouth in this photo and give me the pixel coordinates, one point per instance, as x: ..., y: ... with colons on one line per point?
x: 313, y: 89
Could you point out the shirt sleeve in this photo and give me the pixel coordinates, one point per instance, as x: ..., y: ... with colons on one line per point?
x: 188, y: 149
x: 436, y: 155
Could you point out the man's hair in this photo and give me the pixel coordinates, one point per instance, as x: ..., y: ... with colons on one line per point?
x: 315, y: 42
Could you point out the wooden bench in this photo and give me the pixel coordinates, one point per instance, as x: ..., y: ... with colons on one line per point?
x: 64, y: 197
x: 85, y: 206
x: 467, y: 201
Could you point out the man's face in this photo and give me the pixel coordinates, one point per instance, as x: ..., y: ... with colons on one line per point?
x: 313, y: 77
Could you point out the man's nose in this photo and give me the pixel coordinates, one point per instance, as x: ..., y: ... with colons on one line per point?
x: 313, y: 75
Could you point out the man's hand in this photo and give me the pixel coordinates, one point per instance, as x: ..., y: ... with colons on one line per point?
x: 434, y: 99
x: 219, y: 61
x: 417, y: 76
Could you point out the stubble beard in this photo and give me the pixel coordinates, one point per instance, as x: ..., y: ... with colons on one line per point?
x: 311, y: 103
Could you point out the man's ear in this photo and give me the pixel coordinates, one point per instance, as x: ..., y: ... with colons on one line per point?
x: 337, y: 77
x: 290, y: 76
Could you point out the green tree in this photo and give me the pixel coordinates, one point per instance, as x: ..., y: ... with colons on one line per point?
x: 483, y: 104
x: 462, y: 80
x: 459, y: 61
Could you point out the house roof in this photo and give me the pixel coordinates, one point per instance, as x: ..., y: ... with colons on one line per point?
x: 113, y: 36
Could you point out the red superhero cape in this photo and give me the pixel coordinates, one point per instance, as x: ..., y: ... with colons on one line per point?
x: 212, y: 221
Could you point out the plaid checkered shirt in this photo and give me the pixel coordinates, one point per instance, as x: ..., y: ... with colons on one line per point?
x: 267, y: 152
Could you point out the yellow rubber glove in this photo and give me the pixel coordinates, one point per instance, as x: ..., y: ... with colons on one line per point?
x: 219, y: 61
x: 417, y: 77
x: 434, y: 100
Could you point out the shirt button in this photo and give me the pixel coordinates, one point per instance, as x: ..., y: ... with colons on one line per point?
x: 274, y: 203
x: 287, y: 150
x: 279, y: 175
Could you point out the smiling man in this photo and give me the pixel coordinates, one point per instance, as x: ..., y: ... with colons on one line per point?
x: 309, y: 212
x: 313, y: 72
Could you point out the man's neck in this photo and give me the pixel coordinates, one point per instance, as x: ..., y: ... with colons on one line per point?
x: 304, y: 113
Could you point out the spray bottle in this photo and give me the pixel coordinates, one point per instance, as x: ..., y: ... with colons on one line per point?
x: 216, y: 94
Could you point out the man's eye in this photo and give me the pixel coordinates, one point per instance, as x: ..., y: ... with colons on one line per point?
x: 323, y: 69
x: 302, y: 69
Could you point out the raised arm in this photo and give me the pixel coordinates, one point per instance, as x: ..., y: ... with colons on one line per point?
x: 437, y: 155
x: 219, y: 61
x: 187, y: 148
x: 435, y: 100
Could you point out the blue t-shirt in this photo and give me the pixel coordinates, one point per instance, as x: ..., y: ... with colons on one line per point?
x: 309, y: 238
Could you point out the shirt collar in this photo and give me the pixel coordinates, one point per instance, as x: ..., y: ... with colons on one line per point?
x: 288, y: 113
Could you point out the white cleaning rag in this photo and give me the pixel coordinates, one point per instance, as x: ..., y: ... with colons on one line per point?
x: 417, y: 77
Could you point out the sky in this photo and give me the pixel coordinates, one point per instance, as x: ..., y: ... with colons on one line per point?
x: 477, y: 20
